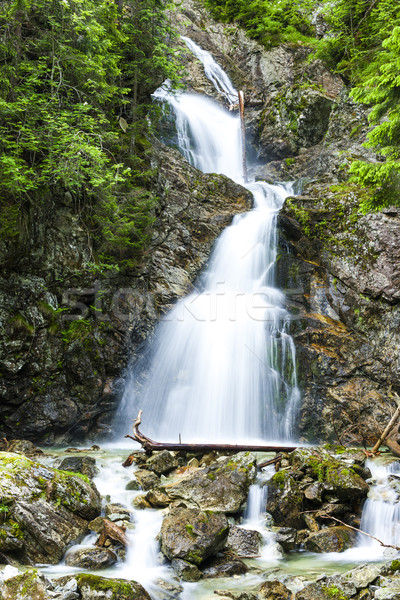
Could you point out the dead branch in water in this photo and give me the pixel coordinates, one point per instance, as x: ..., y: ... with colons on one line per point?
x: 150, y: 445
x: 358, y: 531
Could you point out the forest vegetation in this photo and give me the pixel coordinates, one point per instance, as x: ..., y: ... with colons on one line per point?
x: 75, y: 84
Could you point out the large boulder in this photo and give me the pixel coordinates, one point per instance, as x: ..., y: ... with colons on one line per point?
x: 45, y: 509
x: 91, y: 558
x: 193, y: 535
x: 25, y: 586
x: 80, y: 464
x: 331, y: 539
x: 334, y: 476
x: 244, y: 542
x: 285, y: 500
x: 221, y: 487
x: 93, y: 587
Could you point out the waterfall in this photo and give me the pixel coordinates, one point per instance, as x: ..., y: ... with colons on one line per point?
x: 381, y: 512
x: 221, y: 364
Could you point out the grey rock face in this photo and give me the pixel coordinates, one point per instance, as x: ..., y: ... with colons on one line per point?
x: 221, y: 487
x: 47, y: 509
x: 91, y: 558
x: 193, y: 535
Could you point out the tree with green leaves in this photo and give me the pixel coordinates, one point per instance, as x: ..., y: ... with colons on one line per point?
x: 70, y: 70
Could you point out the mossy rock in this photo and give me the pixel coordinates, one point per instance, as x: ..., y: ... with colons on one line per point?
x: 93, y: 587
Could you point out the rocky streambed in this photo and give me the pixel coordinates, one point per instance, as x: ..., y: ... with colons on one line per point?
x: 174, y: 525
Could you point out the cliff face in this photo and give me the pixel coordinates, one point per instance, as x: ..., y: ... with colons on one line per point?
x: 66, y: 331
x: 61, y: 376
x: 339, y: 268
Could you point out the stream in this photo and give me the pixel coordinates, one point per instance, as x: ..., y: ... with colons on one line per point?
x: 235, y: 328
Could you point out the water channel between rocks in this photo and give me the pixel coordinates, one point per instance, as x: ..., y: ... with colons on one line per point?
x: 235, y: 329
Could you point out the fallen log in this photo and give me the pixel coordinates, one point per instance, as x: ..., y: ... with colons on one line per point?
x: 150, y: 445
x: 112, y: 531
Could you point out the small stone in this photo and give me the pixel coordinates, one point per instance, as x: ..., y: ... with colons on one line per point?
x: 147, y: 479
x: 132, y: 485
x: 162, y: 462
x: 186, y: 571
x: 141, y: 503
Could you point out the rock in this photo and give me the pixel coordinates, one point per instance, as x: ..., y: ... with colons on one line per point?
x: 362, y: 576
x: 162, y: 462
x: 244, y: 542
x: 158, y: 498
x: 48, y: 510
x: 80, y: 464
x: 274, y: 590
x: 23, y: 447
x: 146, y: 479
x: 93, y: 587
x: 30, y: 585
x: 284, y: 500
x: 132, y: 485
x: 287, y: 538
x: 168, y: 590
x: 332, y: 539
x: 90, y: 558
x: 223, y: 486
x: 112, y: 511
x: 193, y: 535
x: 224, y: 565
x: 333, y: 476
x: 327, y: 588
x: 140, y: 503
x: 186, y: 571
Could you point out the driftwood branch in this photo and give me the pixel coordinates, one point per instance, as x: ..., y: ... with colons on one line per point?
x: 359, y: 531
x: 150, y: 445
x: 387, y: 431
x: 271, y: 461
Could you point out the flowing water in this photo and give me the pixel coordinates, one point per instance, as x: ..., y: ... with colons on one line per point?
x: 221, y: 366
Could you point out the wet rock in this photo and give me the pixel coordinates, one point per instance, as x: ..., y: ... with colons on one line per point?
x: 244, y: 542
x: 22, y: 447
x: 140, y: 503
x: 327, y: 588
x: 362, y: 576
x: 132, y: 485
x: 333, y: 476
x: 168, y: 590
x: 80, y: 464
x: 112, y: 511
x: 186, y: 571
x: 274, y: 590
x: 286, y: 537
x: 332, y: 539
x: 147, y: 479
x: 158, y: 498
x: 30, y: 585
x: 224, y: 565
x: 47, y: 508
x: 93, y: 587
x: 223, y: 486
x: 193, y: 535
x: 162, y: 463
x: 91, y: 558
x: 285, y: 500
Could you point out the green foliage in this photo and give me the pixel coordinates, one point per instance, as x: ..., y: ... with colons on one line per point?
x: 75, y: 85
x: 268, y: 21
x: 382, y: 90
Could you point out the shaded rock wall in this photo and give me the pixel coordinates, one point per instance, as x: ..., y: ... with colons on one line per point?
x: 66, y: 331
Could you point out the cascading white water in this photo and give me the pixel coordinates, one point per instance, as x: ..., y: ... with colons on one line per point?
x: 381, y: 512
x: 215, y: 74
x: 221, y: 366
